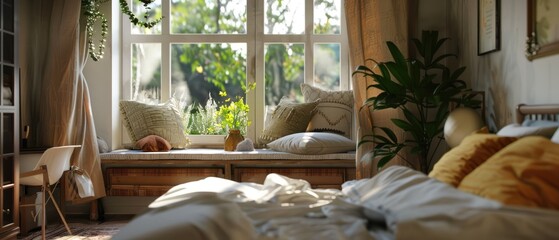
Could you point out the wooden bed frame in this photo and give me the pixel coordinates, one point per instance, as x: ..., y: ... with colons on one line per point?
x: 537, y: 112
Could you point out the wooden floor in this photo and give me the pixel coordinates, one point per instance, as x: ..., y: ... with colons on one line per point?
x: 56, y: 228
x: 108, y: 218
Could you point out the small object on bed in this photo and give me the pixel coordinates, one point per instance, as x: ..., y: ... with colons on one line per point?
x: 245, y: 146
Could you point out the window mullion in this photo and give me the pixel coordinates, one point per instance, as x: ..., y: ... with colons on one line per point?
x: 258, y: 95
x: 250, y: 39
x: 126, y: 57
x: 309, y: 44
x: 345, y: 71
x: 165, y: 54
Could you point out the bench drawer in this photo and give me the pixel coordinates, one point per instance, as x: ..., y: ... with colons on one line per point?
x: 124, y: 181
x: 317, y: 177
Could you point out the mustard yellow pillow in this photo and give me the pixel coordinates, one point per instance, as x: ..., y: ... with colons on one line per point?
x: 464, y: 158
x: 525, y: 173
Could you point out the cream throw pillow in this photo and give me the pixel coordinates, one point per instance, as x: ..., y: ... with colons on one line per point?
x: 334, y: 112
x: 313, y: 143
x: 162, y: 120
x: 287, y: 118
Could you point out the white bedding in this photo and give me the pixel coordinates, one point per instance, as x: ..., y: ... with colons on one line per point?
x: 397, y: 203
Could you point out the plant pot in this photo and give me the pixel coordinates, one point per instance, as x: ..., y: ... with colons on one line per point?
x: 232, y: 139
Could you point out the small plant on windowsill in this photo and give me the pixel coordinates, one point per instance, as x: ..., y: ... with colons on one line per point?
x: 233, y: 117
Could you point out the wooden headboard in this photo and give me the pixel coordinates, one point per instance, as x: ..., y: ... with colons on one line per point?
x: 537, y: 112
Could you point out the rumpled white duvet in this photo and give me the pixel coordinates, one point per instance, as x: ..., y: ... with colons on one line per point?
x: 398, y: 203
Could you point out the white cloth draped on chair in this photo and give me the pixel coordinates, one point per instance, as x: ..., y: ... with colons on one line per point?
x: 370, y: 24
x: 59, y: 103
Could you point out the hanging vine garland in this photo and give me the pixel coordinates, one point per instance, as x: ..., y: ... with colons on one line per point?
x: 133, y: 19
x: 92, y: 14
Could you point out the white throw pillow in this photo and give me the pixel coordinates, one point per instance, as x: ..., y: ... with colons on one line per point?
x: 313, y: 143
x: 516, y: 130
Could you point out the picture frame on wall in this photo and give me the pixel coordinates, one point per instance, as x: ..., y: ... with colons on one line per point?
x: 543, y: 29
x: 489, y: 26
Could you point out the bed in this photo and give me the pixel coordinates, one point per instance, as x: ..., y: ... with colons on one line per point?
x: 513, y: 193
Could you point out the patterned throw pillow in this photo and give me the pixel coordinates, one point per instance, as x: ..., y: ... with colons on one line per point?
x: 162, y: 120
x: 287, y: 118
x: 334, y: 112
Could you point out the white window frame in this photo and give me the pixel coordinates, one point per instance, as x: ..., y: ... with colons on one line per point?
x: 255, y: 40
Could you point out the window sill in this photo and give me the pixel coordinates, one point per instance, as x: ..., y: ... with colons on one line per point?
x: 206, y: 141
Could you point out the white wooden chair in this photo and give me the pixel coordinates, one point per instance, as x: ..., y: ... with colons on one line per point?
x: 46, y: 173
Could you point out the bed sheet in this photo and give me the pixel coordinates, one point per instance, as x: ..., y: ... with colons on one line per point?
x: 398, y: 203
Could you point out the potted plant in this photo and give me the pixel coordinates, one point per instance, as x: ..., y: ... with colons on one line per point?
x: 233, y: 116
x: 422, y: 89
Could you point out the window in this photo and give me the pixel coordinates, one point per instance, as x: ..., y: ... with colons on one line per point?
x: 204, y: 47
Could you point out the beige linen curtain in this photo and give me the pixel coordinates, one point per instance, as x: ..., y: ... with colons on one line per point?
x: 60, y: 105
x: 370, y: 24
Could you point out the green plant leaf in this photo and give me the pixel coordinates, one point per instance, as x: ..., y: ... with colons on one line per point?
x: 364, y: 142
x: 396, y: 54
x: 456, y: 74
x: 402, y: 124
x: 400, y: 73
x: 389, y: 133
x: 385, y: 81
x: 418, y: 46
x: 441, y: 57
x: 383, y: 161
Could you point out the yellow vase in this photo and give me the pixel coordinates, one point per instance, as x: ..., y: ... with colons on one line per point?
x: 232, y: 139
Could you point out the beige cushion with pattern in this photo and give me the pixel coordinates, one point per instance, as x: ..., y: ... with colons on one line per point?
x: 334, y: 112
x: 287, y: 118
x: 162, y: 120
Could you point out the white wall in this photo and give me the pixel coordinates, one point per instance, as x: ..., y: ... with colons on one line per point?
x: 103, y: 81
x: 506, y: 76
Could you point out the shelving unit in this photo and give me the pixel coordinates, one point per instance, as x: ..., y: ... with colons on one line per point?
x: 9, y: 121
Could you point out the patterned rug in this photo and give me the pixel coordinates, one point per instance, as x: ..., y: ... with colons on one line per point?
x: 89, y: 231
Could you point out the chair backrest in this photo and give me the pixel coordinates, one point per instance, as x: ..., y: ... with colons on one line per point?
x: 57, y: 160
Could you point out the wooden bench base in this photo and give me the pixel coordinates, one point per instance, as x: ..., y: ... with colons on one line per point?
x: 135, y: 173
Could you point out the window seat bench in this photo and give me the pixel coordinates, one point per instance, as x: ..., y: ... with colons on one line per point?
x: 137, y: 173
